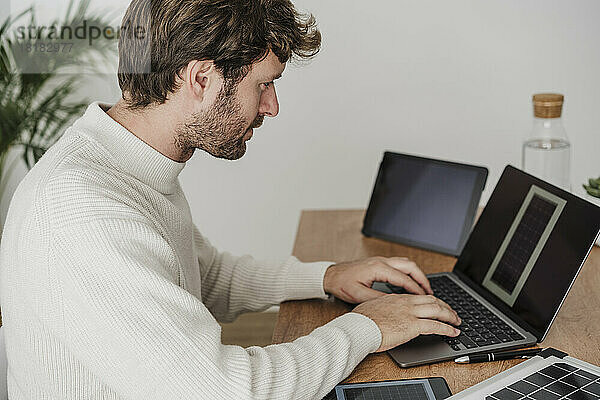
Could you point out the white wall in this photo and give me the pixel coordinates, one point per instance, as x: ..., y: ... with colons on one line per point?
x: 444, y: 79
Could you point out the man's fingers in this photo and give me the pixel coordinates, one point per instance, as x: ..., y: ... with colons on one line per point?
x: 410, y: 268
x: 429, y: 299
x: 359, y: 293
x: 432, y: 327
x: 426, y: 299
x: 397, y: 278
x: 436, y: 311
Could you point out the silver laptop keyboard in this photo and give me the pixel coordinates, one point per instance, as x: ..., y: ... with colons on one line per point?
x: 557, y: 381
x: 480, y: 327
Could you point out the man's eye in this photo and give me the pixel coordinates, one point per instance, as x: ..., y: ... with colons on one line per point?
x: 267, y: 84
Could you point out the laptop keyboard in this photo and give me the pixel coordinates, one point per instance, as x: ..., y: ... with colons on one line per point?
x: 557, y: 381
x: 480, y: 327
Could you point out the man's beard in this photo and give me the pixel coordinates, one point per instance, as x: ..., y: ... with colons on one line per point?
x: 220, y: 130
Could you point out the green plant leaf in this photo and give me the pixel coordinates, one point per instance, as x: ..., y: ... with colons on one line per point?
x: 592, y: 191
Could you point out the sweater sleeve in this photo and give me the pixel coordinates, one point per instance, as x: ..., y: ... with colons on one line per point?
x: 233, y: 285
x: 125, y: 318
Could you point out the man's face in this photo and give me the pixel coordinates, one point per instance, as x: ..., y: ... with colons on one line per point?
x: 223, y: 129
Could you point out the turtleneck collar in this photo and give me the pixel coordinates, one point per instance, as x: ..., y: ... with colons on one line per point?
x: 131, y: 153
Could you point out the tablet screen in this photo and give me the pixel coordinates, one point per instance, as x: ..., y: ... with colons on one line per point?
x: 424, y: 202
x: 418, y: 389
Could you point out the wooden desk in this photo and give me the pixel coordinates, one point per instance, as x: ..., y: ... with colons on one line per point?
x: 335, y: 236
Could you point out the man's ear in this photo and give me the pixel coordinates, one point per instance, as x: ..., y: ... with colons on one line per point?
x: 199, y: 76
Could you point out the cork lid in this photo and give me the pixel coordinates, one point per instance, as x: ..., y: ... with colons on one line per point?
x: 547, y: 105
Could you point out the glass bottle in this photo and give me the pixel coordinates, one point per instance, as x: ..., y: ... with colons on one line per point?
x: 547, y: 150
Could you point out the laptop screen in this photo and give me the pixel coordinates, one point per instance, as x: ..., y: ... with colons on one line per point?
x: 528, y: 246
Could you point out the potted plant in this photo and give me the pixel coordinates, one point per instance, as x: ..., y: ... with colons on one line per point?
x: 36, y: 106
x: 592, y: 190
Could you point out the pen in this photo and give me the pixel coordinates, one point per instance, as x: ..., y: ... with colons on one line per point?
x: 501, y: 355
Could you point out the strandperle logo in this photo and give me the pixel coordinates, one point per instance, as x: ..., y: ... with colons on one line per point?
x: 39, y: 40
x: 49, y: 35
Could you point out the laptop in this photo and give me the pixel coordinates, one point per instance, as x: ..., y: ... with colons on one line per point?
x: 514, y: 272
x: 551, y: 375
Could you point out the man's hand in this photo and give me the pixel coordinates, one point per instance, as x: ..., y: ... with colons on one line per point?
x: 402, y: 317
x: 352, y: 281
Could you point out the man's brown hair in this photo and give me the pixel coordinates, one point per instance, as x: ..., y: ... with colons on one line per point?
x: 160, y: 37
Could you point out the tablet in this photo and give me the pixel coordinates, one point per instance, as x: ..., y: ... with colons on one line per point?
x: 424, y: 202
x: 406, y: 389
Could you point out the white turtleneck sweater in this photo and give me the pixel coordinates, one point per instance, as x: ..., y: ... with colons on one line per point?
x: 109, y: 291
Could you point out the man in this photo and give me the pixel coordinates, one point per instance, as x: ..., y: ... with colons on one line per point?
x: 109, y: 291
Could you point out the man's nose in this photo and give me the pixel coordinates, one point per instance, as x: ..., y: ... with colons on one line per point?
x: 269, y: 105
